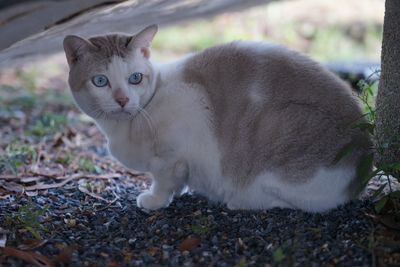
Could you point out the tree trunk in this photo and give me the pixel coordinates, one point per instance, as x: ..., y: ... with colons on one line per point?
x: 388, y: 100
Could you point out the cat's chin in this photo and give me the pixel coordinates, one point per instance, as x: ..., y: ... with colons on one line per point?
x: 119, y: 115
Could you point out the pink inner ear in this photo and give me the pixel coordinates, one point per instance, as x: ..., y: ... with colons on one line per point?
x: 146, y: 52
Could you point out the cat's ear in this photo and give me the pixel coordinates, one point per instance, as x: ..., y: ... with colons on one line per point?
x: 142, y: 40
x: 75, y: 47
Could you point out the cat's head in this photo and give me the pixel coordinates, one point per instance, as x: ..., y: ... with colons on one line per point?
x: 111, y: 76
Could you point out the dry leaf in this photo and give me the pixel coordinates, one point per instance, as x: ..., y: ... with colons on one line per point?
x: 27, y: 256
x: 12, y: 186
x: 29, y: 179
x: 84, y: 190
x: 112, y: 264
x: 152, y: 251
x: 70, y: 222
x: 189, y: 244
x: 71, y: 132
x: 68, y: 143
x: 57, y: 140
x: 65, y: 255
x: 103, y: 254
x: 32, y: 193
x: 48, y: 172
x: 5, y: 196
x: 38, y: 180
x: 32, y: 244
x: 9, y: 177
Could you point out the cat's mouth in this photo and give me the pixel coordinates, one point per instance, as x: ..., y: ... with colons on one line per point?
x: 121, y: 111
x: 121, y: 114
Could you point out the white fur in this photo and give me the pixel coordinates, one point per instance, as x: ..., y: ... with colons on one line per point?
x: 183, y: 150
x: 182, y: 128
x: 257, y: 97
x: 326, y: 190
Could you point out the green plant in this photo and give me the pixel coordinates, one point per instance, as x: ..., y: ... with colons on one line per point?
x: 368, y: 92
x: 201, y: 225
x: 29, y: 78
x: 278, y: 256
x: 241, y: 263
x: 64, y: 159
x: 17, y: 154
x: 49, y: 123
x: 29, y: 218
x: 88, y: 165
x: 15, y: 99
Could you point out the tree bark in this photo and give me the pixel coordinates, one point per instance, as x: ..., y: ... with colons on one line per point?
x: 388, y: 100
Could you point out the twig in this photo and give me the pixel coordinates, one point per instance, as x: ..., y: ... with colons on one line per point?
x: 27, y: 256
x: 55, y: 176
x: 103, y: 176
x: 84, y: 190
x: 48, y: 186
x: 109, y: 204
x: 47, y: 175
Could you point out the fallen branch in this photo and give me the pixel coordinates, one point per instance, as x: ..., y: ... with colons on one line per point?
x: 27, y: 256
x: 41, y: 186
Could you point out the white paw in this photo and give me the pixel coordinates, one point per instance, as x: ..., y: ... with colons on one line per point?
x: 149, y: 201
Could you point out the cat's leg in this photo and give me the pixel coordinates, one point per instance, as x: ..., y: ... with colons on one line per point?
x: 167, y: 181
x: 266, y: 192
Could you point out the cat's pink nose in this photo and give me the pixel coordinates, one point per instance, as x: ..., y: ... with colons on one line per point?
x: 122, y: 100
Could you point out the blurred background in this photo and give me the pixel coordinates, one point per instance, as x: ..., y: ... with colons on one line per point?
x: 341, y: 30
x: 325, y: 30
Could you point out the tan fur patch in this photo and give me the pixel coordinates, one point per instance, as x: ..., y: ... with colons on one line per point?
x: 303, y: 122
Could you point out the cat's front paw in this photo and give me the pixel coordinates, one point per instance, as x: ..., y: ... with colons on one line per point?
x: 149, y: 201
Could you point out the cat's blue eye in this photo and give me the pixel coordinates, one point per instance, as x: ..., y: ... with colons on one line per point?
x: 135, y: 78
x: 100, y: 80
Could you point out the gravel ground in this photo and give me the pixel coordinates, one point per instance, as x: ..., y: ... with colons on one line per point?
x: 191, y: 232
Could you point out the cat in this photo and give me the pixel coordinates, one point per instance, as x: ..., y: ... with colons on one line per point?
x: 249, y: 124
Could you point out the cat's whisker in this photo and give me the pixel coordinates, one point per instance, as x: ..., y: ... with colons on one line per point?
x: 98, y: 113
x: 149, y: 122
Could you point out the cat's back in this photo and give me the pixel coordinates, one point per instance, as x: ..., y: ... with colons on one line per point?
x: 240, y: 75
x: 271, y: 106
x: 237, y: 68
